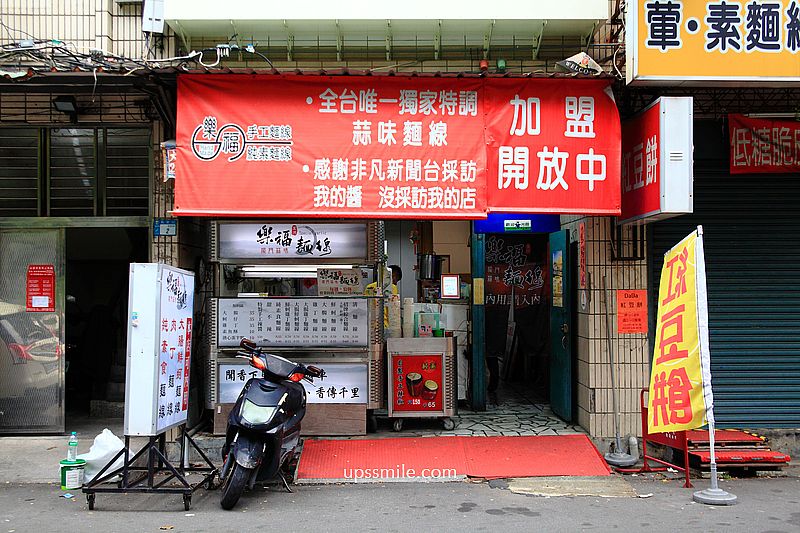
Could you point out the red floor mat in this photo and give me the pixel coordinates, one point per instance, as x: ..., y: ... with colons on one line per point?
x: 410, y: 459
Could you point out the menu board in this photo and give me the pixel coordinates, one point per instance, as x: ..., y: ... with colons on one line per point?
x: 175, y: 347
x: 293, y: 322
x: 417, y: 382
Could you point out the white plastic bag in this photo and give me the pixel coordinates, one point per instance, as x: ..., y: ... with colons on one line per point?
x: 105, y: 447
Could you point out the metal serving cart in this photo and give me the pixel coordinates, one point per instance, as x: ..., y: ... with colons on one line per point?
x: 421, y: 379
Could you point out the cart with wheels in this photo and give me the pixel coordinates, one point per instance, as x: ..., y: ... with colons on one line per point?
x: 421, y: 380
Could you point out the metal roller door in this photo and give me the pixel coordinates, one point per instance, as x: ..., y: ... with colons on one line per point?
x: 752, y: 243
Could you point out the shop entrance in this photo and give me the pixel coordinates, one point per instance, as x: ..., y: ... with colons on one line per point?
x: 517, y: 303
x: 97, y: 265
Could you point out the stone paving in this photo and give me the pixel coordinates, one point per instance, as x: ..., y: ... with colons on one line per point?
x: 514, y: 415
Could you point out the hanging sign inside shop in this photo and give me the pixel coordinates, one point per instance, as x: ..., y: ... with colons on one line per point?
x: 417, y: 382
x: 339, y: 383
x: 703, y: 41
x: 40, y: 289
x: 680, y: 381
x: 764, y: 146
x: 516, y: 270
x: 657, y: 161
x: 338, y: 281
x: 292, y: 242
x: 631, y: 311
x: 383, y: 147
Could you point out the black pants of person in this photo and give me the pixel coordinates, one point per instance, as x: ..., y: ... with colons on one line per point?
x: 496, y: 326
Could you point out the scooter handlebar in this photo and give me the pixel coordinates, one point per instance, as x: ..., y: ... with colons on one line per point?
x: 313, y: 371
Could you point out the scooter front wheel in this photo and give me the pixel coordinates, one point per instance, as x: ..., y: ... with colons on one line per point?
x: 234, y: 485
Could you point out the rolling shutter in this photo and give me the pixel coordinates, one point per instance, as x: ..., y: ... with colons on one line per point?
x: 752, y: 245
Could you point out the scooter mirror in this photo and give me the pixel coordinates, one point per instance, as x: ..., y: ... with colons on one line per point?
x: 247, y: 344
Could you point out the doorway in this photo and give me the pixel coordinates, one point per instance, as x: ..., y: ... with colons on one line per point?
x: 96, y: 309
x: 517, y: 307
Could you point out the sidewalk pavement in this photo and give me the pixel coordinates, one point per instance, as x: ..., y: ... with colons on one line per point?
x: 652, y: 503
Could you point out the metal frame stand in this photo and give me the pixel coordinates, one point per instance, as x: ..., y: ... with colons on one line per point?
x: 157, y: 463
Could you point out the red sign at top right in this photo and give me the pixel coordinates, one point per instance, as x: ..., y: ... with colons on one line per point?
x: 763, y: 146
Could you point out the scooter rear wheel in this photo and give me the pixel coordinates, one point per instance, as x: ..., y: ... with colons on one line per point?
x: 234, y: 485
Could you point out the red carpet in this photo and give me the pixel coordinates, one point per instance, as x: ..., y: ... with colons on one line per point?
x: 447, y: 458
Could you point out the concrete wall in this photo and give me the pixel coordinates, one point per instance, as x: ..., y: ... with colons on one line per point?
x: 84, y: 24
x: 451, y: 238
x: 631, y: 352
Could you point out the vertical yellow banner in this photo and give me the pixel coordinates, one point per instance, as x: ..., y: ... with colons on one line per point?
x: 675, y: 401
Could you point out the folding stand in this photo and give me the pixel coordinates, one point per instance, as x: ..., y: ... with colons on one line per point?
x: 157, y: 463
x: 674, y: 439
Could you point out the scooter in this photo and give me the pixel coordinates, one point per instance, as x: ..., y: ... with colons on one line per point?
x: 264, y: 425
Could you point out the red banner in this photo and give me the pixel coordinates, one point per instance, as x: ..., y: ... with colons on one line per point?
x: 553, y: 146
x: 641, y: 164
x: 763, y: 146
x: 388, y: 147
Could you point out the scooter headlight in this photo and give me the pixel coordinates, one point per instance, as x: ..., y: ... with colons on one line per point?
x: 257, y: 414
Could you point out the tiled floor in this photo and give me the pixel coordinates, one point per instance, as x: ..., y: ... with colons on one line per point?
x: 514, y: 414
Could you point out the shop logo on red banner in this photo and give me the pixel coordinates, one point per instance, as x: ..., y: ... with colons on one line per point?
x: 763, y: 146
x: 394, y: 147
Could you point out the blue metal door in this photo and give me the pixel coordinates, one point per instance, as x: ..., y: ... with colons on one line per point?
x: 560, y: 325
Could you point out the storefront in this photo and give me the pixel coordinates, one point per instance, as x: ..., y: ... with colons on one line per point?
x: 745, y: 159
x: 75, y: 210
x: 290, y: 159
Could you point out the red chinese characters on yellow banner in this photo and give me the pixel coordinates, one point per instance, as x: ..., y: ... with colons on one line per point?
x: 384, y: 147
x: 675, y: 400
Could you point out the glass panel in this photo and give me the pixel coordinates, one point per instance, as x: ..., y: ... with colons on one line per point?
x: 73, y: 172
x: 19, y: 172
x: 31, y: 343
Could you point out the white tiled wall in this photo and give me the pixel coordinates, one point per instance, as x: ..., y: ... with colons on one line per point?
x: 631, y: 351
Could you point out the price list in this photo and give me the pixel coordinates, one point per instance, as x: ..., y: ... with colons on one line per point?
x: 293, y: 322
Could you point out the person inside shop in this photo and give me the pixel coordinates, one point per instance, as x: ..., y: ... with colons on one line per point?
x: 388, y: 291
x: 397, y: 275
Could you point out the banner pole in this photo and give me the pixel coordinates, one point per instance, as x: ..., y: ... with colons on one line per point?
x: 617, y: 457
x: 713, y: 495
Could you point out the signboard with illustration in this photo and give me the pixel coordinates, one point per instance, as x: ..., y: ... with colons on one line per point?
x: 417, y: 383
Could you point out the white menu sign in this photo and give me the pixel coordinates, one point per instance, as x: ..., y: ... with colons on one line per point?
x: 293, y: 322
x: 175, y: 347
x: 291, y: 242
x: 340, y: 382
